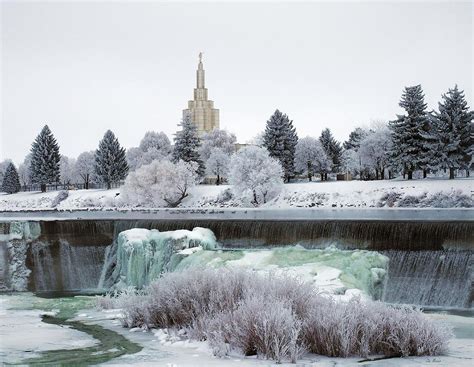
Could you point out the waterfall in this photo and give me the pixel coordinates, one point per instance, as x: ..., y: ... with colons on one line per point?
x: 430, y: 278
x: 44, y: 272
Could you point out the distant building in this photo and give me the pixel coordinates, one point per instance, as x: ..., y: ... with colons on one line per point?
x: 202, y: 110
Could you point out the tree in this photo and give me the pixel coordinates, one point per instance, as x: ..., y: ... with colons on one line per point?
x: 3, y: 167
x: 160, y: 183
x: 24, y: 171
x: 11, y: 181
x: 410, y: 133
x: 218, y: 164
x: 453, y: 130
x: 280, y: 139
x: 374, y: 150
x: 332, y: 148
x: 254, y: 174
x: 67, y: 171
x: 355, y: 138
x: 153, y: 146
x: 85, y: 168
x: 187, y: 143
x: 311, y: 158
x: 110, y: 163
x: 45, y: 159
x: 217, y: 138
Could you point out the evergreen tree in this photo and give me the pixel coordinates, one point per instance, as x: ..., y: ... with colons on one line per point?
x: 355, y: 138
x: 332, y: 148
x: 453, y: 128
x: 45, y: 159
x: 411, y: 134
x: 187, y: 143
x: 280, y: 139
x: 110, y: 162
x: 11, y: 181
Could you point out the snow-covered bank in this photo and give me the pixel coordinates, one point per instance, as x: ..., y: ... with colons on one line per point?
x: 332, y: 194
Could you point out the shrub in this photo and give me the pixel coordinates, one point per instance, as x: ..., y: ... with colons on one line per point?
x: 278, y: 317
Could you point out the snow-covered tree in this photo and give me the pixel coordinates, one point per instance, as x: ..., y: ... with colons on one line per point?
x: 374, y: 149
x: 3, y: 167
x: 45, y: 159
x: 311, y: 158
x: 187, y: 144
x: 453, y: 129
x: 351, y: 162
x: 24, y: 171
x: 85, y: 168
x: 67, y: 170
x: 110, y: 163
x: 153, y: 146
x: 411, y: 135
x: 11, y: 181
x: 332, y: 148
x: 256, y: 175
x: 160, y: 183
x: 218, y: 164
x: 217, y: 138
x: 280, y: 139
x: 355, y: 138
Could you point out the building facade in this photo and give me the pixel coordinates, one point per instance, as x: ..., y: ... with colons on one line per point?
x: 201, y: 109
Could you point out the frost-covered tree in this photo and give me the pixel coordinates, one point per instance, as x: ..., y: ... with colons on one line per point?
x: 311, y: 158
x: 110, y: 163
x: 218, y: 164
x: 160, y: 183
x: 411, y: 134
x: 374, y: 149
x: 280, y: 139
x: 11, y: 181
x: 332, y: 148
x: 85, y: 168
x: 24, y: 171
x: 45, y: 159
x: 217, y: 138
x: 153, y: 146
x: 256, y: 175
x: 355, y: 138
x: 187, y: 144
x: 67, y: 170
x: 453, y: 125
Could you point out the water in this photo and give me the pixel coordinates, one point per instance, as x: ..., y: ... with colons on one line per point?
x: 434, y: 278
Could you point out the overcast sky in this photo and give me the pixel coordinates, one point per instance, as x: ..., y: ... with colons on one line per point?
x: 85, y: 67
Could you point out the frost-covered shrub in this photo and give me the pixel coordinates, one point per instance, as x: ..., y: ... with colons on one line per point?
x: 278, y: 317
x: 411, y: 200
x: 160, y: 183
x: 389, y: 199
x: 453, y: 199
x: 255, y: 175
x: 62, y: 195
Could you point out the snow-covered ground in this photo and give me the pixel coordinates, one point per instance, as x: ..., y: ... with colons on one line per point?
x: 332, y: 194
x: 23, y: 335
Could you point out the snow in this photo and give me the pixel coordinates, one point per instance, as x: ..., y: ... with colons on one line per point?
x: 329, y: 194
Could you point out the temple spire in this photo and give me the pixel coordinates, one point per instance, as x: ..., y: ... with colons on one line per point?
x: 200, y: 73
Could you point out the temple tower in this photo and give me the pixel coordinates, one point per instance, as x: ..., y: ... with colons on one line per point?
x: 202, y: 110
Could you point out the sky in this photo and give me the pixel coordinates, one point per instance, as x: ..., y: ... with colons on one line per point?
x: 85, y: 67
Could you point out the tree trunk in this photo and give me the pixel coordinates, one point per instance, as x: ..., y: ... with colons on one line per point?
x: 218, y: 180
x: 382, y: 174
x: 308, y: 165
x: 376, y: 174
x: 325, y: 177
x: 109, y: 185
x: 43, y: 187
x: 322, y: 176
x: 87, y: 182
x: 255, y: 198
x: 467, y: 172
x: 425, y: 172
x: 410, y: 175
x: 451, y: 173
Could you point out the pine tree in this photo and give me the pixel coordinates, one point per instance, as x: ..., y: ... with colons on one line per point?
x: 453, y: 128
x: 355, y: 138
x: 11, y: 181
x: 332, y: 148
x: 45, y: 159
x: 187, y: 143
x: 280, y: 139
x: 411, y: 134
x: 110, y: 162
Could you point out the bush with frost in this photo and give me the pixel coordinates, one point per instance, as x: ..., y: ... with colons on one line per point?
x: 160, y: 183
x: 278, y: 317
x: 255, y: 175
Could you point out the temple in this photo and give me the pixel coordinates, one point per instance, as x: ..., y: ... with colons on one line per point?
x: 202, y: 110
